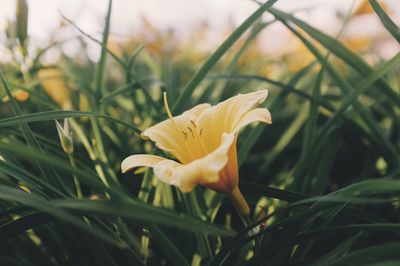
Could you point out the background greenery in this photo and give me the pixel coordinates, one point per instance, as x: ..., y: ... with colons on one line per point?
x: 322, y: 180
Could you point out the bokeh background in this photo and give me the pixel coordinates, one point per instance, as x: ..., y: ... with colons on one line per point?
x: 322, y: 180
x: 205, y: 22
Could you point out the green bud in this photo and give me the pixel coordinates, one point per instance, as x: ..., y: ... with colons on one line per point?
x: 8, y: 28
x: 65, y: 137
x: 22, y: 22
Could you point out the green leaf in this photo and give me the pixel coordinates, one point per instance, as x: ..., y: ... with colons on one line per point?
x: 341, y: 51
x: 138, y: 211
x: 216, y: 56
x: 52, y: 115
x: 27, y: 199
x: 386, y: 20
x: 375, y: 254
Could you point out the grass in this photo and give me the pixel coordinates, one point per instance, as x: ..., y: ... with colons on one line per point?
x: 322, y: 180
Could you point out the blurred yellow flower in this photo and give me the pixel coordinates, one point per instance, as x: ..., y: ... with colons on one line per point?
x: 361, y: 44
x: 19, y: 95
x: 203, y: 140
x: 365, y: 8
x: 53, y: 83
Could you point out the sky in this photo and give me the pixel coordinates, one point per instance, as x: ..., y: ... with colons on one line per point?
x: 184, y: 15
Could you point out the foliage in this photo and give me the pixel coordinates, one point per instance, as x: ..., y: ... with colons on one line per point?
x: 322, y: 180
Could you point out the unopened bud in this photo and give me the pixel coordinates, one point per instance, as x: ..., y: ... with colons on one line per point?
x: 65, y: 137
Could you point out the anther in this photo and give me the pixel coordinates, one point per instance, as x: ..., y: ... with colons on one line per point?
x: 201, y: 131
x: 193, y: 123
x: 191, y: 131
x: 184, y: 135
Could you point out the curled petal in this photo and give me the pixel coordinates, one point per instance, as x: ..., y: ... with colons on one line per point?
x: 256, y: 115
x: 201, y: 171
x: 224, y: 116
x: 140, y: 160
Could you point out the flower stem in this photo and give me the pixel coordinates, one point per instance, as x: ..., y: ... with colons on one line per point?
x: 76, y: 181
x: 239, y: 202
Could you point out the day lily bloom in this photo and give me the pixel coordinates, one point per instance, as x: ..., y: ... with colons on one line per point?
x: 203, y: 140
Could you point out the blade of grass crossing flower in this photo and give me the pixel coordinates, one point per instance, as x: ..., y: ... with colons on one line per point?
x: 386, y: 20
x: 214, y: 58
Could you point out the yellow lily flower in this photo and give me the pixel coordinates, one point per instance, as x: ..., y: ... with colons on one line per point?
x: 203, y: 140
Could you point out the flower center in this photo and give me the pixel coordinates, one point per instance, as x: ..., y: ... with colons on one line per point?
x: 193, y: 142
x: 192, y: 128
x: 192, y: 131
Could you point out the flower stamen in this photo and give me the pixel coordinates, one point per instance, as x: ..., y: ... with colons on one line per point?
x: 191, y: 132
x: 184, y: 135
x: 168, y: 111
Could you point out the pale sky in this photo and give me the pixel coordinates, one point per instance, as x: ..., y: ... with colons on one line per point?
x: 181, y: 15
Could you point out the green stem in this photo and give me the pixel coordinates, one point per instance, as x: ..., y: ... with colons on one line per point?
x: 239, y: 202
x: 76, y: 181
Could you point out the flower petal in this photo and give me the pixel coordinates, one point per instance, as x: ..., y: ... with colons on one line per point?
x: 223, y: 117
x: 256, y: 115
x: 201, y: 171
x: 197, y: 110
x: 169, y: 135
x: 140, y: 160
